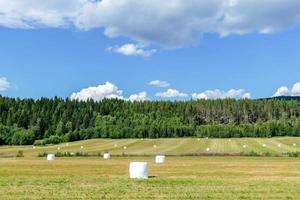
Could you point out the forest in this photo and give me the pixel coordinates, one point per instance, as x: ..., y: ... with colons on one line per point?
x: 51, y: 121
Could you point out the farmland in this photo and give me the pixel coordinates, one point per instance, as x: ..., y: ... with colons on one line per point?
x: 179, y: 178
x: 176, y: 146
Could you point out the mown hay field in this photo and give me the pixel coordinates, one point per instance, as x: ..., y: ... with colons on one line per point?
x: 276, y: 146
x: 179, y: 178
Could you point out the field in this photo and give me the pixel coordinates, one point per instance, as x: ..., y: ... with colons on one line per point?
x: 181, y: 177
x: 176, y: 146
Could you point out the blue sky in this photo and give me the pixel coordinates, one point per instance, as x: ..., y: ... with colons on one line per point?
x: 48, y: 60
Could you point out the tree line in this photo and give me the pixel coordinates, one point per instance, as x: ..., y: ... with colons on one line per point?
x: 45, y: 121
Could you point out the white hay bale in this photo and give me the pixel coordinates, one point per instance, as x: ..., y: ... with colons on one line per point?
x: 229, y: 140
x: 198, y: 139
x: 33, y: 147
x: 154, y: 146
x: 206, y: 138
x: 279, y: 145
x: 244, y: 146
x: 106, y: 156
x: 58, y: 148
x: 125, y: 147
x: 142, y: 138
x: 264, y: 145
x: 81, y: 147
x: 294, y: 144
x: 207, y: 149
x: 51, y: 157
x: 138, y: 170
x: 160, y: 159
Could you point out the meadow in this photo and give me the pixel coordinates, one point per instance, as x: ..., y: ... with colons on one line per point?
x: 181, y: 177
x: 173, y: 146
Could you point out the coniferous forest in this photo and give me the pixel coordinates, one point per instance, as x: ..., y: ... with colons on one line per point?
x: 51, y: 121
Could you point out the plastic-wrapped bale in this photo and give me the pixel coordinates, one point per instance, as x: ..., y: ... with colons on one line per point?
x: 73, y: 154
x: 160, y: 159
x: 106, y: 156
x: 51, y: 157
x: 138, y: 170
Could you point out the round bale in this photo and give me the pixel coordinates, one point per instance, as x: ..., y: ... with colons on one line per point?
x: 51, y: 157
x: 160, y: 159
x: 138, y: 170
x: 106, y: 156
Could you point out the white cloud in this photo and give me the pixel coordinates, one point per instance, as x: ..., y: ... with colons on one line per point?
x: 296, y: 89
x: 132, y: 50
x: 142, y: 96
x: 171, y: 93
x: 219, y: 94
x: 173, y: 23
x: 108, y: 90
x: 282, y: 91
x: 159, y: 83
x: 28, y: 14
x: 4, y: 84
x: 285, y: 91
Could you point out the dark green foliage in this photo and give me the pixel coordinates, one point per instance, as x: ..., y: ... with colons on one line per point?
x: 294, y: 154
x: 39, y: 143
x: 51, y: 121
x: 53, y: 139
x: 66, y: 154
x: 287, y: 98
x: 272, y: 128
x: 253, y: 153
x: 20, y: 153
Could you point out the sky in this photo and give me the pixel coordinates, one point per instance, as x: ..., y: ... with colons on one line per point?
x: 149, y: 50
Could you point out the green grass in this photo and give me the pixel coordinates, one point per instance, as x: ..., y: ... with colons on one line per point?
x: 190, y: 177
x: 165, y: 146
x: 178, y: 178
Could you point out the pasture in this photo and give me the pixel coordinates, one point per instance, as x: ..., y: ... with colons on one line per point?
x: 179, y: 178
x: 276, y: 146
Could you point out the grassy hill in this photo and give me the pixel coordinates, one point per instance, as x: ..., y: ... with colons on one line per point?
x: 176, y: 146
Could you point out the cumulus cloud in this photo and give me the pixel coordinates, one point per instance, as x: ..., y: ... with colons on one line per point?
x: 285, y: 91
x: 171, y: 93
x: 132, y: 50
x: 30, y: 14
x: 142, y: 96
x: 107, y: 90
x: 296, y: 89
x: 4, y: 84
x: 172, y: 23
x: 219, y: 94
x: 282, y: 91
x: 159, y: 83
